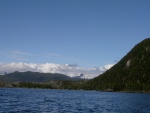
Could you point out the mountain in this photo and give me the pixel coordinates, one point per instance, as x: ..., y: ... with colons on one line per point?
x: 131, y: 73
x: 32, y: 77
x: 80, y: 77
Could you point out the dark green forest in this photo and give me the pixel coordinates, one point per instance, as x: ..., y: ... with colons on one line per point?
x: 75, y: 85
x: 131, y: 73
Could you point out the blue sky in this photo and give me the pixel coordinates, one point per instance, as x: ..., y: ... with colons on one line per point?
x: 89, y: 33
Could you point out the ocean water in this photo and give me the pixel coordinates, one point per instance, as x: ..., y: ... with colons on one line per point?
x: 22, y: 100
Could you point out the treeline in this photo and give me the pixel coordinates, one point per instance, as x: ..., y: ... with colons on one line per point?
x: 116, y: 86
x: 32, y: 85
x: 2, y: 84
x: 50, y: 85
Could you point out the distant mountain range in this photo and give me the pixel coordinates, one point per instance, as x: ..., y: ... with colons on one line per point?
x: 34, y: 77
x: 131, y: 73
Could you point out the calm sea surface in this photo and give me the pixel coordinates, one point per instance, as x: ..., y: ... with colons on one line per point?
x: 69, y: 101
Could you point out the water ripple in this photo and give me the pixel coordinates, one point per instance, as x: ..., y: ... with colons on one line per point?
x: 70, y: 101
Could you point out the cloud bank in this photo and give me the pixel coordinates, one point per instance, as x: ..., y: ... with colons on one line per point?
x: 67, y: 69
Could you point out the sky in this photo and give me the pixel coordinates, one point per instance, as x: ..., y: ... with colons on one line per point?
x: 85, y: 33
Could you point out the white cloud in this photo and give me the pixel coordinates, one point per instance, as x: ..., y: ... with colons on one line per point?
x: 106, y: 67
x: 19, y: 52
x: 67, y: 69
x: 16, y: 55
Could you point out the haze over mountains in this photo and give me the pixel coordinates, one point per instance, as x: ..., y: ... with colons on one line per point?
x: 70, y: 70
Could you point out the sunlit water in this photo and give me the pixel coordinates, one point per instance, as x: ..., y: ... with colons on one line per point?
x: 70, y: 101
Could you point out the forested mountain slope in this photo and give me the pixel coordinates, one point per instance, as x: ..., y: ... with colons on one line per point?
x: 131, y: 73
x: 33, y: 77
